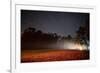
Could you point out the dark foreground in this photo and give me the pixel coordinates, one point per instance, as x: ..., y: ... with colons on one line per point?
x: 28, y: 56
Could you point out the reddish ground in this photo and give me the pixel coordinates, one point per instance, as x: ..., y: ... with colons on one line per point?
x: 53, y: 55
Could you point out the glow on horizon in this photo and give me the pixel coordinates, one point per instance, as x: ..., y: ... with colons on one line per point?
x: 74, y: 46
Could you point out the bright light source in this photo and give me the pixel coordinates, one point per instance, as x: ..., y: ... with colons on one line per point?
x: 79, y: 47
x: 74, y: 46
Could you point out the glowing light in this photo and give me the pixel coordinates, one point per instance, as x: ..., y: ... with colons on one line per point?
x: 75, y: 46
x: 79, y: 47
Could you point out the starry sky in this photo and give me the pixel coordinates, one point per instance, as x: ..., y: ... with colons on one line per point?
x: 62, y: 23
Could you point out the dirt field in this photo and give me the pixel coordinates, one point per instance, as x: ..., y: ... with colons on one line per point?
x: 53, y: 55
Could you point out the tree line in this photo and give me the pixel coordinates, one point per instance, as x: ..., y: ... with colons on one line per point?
x: 33, y: 35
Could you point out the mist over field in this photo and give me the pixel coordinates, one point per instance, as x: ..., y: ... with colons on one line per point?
x: 54, y: 36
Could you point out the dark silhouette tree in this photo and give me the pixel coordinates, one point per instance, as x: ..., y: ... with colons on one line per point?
x: 83, y: 33
x: 69, y: 37
x: 30, y: 29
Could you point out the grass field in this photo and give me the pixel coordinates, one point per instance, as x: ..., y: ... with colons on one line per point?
x: 28, y: 56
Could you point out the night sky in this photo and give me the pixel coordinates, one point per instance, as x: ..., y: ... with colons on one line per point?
x: 62, y: 23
